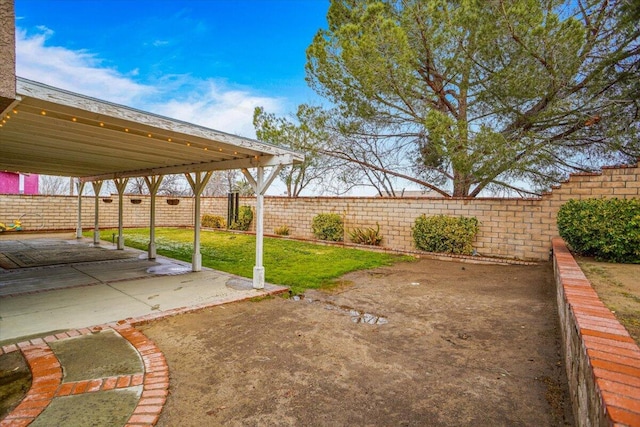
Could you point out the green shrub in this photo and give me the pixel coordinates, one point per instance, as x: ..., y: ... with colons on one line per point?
x: 366, y: 236
x: 328, y: 226
x: 608, y: 229
x: 445, y: 234
x: 213, y: 221
x: 245, y: 216
x: 283, y: 230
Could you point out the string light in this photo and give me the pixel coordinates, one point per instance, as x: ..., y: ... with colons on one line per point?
x: 105, y: 125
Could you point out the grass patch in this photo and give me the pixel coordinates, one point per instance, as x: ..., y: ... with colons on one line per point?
x: 299, y: 265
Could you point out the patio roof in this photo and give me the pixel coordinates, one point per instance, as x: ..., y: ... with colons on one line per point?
x: 56, y: 132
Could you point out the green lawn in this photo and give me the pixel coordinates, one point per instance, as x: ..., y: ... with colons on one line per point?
x: 299, y: 265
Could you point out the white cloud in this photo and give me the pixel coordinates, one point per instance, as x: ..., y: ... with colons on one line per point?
x: 77, y: 71
x: 205, y: 102
x: 216, y: 106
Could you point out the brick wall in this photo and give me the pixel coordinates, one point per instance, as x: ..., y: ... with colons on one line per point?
x: 511, y: 228
x: 602, y: 360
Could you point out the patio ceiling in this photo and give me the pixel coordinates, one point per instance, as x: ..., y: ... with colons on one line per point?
x: 55, y: 132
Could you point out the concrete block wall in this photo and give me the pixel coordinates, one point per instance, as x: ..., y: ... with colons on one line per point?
x: 61, y: 212
x: 511, y: 228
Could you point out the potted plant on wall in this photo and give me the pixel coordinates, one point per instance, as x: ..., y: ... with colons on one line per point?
x: 173, y: 202
x: 136, y: 201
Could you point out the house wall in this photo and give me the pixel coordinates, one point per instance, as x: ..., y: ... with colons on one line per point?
x: 7, y: 54
x: 509, y: 228
x: 10, y: 183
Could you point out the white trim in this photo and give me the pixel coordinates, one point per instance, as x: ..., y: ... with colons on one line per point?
x: 197, y: 186
x: 260, y: 186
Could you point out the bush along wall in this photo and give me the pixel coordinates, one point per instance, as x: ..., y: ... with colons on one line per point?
x: 366, y: 236
x: 328, y: 226
x: 213, y: 221
x: 245, y: 216
x: 445, y: 234
x: 607, y: 229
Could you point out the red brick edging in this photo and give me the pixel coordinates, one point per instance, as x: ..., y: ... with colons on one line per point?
x: 601, y: 359
x: 47, y: 376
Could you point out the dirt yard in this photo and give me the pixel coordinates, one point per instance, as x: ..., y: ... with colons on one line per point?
x: 618, y: 286
x: 423, y: 343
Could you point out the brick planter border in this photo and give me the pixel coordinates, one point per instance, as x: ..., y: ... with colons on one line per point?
x: 602, y: 360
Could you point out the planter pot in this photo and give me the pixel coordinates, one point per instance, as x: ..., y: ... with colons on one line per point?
x: 173, y: 202
x: 136, y: 201
x: 107, y: 200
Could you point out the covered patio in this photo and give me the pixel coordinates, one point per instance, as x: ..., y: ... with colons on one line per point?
x: 46, y: 130
x: 60, y: 283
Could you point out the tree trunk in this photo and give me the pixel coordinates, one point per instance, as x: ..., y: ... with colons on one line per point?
x: 461, y: 184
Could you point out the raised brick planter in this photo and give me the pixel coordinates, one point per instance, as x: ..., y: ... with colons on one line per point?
x: 601, y: 359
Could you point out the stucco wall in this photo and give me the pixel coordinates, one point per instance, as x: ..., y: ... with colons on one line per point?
x: 7, y: 54
x: 511, y: 228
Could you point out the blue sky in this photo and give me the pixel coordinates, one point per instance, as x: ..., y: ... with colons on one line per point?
x: 204, y: 61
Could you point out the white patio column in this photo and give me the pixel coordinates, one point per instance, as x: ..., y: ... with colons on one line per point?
x: 197, y: 182
x: 97, y: 186
x: 121, y: 184
x: 80, y: 185
x: 153, y: 184
x: 260, y: 186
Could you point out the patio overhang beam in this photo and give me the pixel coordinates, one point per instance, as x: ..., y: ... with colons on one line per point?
x: 55, y: 132
x: 246, y: 163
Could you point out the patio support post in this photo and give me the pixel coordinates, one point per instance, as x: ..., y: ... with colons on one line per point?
x: 80, y: 186
x: 153, y: 184
x: 197, y: 182
x: 97, y: 185
x: 260, y: 186
x: 121, y: 184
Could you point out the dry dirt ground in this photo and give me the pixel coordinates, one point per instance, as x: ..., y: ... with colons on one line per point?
x: 426, y: 343
x: 618, y: 286
x: 15, y: 381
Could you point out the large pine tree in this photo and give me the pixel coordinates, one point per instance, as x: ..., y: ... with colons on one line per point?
x: 486, y: 92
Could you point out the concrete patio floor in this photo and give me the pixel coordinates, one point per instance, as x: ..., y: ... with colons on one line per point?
x: 47, y: 299
x: 73, y: 324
